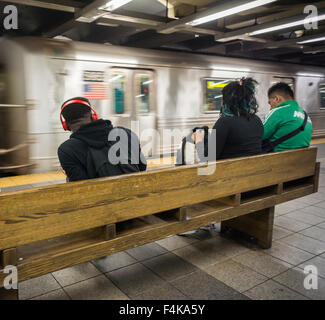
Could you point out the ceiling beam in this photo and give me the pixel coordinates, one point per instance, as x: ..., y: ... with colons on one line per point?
x: 240, y: 21
x: 290, y: 42
x: 88, y: 14
x: 60, y: 29
x: 231, y: 35
x: 151, y: 39
x: 67, y: 6
x: 170, y: 6
x: 175, y: 26
x: 134, y: 18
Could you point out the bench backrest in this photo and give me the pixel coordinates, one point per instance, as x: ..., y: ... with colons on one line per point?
x: 42, y: 213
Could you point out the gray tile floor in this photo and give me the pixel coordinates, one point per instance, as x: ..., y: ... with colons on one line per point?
x: 206, y: 265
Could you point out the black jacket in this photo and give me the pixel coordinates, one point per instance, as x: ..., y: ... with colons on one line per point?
x: 233, y: 137
x: 74, y: 153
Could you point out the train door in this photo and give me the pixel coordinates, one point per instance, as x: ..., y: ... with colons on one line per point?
x: 132, y: 96
x: 121, y: 113
x: 145, y: 109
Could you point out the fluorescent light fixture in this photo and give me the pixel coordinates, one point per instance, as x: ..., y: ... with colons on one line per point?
x: 229, y: 12
x: 140, y: 95
x: 288, y: 25
x: 235, y: 69
x: 225, y: 81
x: 147, y: 82
x: 312, y: 40
x: 311, y: 75
x: 114, y: 4
x: 115, y: 78
x: 218, y: 97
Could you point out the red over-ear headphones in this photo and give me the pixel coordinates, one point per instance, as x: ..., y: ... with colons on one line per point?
x: 64, y: 123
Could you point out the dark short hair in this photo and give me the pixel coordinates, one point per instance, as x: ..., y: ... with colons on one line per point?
x: 282, y: 88
x: 239, y: 98
x: 75, y: 111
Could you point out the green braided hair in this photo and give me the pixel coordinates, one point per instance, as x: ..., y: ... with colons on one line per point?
x: 239, y: 98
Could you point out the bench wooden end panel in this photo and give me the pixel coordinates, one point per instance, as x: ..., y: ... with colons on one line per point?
x: 316, y: 177
x: 258, y: 225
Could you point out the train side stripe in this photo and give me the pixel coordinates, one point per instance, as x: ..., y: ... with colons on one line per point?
x: 272, y: 111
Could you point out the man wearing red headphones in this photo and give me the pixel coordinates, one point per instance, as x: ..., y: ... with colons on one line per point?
x: 85, y: 154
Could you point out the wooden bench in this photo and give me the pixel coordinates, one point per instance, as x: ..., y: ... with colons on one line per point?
x: 50, y: 228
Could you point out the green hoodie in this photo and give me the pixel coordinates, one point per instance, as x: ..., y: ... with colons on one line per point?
x: 283, y: 119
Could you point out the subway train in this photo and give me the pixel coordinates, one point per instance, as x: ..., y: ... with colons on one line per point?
x: 149, y: 91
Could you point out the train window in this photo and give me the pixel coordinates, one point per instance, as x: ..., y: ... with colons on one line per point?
x: 142, y: 92
x: 118, y: 84
x: 322, y: 95
x: 213, y: 94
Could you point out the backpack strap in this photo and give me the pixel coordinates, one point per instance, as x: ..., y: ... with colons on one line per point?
x: 291, y: 134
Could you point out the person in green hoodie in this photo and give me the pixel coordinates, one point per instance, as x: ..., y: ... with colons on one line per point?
x: 285, y: 116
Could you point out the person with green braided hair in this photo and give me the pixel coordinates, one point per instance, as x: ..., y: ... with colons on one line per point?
x: 238, y: 132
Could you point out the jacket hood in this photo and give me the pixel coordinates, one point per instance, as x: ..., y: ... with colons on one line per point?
x: 94, y: 134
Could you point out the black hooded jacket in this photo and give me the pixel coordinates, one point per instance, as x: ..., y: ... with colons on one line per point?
x: 74, y: 153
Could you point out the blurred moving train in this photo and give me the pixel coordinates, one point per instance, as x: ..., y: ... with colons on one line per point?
x: 161, y: 89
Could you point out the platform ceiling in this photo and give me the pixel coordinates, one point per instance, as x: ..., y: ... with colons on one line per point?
x: 161, y: 24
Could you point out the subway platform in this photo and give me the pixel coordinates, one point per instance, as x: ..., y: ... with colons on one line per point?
x: 205, y: 265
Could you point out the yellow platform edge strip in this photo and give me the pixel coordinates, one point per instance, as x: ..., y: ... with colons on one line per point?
x: 60, y: 175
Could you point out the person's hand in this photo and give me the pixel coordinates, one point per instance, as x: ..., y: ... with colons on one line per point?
x: 198, y: 136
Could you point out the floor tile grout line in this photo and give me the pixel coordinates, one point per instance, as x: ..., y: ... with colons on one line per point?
x: 299, y: 230
x: 67, y: 293
x: 312, y: 237
x: 291, y: 289
x: 304, y: 221
x: 260, y: 272
x: 47, y: 291
x: 175, y: 278
x: 168, y: 283
x: 118, y: 268
x: 92, y: 277
x: 273, y: 278
x: 171, y: 250
x: 43, y: 294
x: 306, y: 213
x: 114, y: 282
x: 283, y: 284
x: 294, y: 265
x: 291, y: 245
